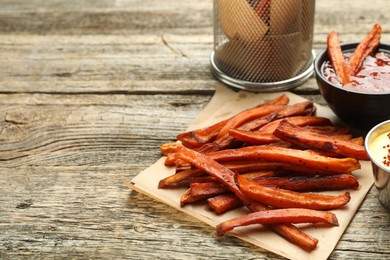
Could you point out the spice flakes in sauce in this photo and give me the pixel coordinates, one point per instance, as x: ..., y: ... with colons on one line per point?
x: 386, y: 158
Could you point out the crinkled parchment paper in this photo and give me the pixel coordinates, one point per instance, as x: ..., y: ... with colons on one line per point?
x: 226, y: 103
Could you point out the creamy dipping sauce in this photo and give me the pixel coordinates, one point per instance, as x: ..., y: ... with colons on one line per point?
x: 373, y: 76
x: 380, y: 149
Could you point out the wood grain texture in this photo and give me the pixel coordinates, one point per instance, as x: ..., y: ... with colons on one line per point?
x: 88, y: 92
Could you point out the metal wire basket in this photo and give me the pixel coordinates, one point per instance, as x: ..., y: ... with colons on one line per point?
x: 263, y: 45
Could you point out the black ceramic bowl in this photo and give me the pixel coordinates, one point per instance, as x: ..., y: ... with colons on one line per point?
x: 358, y: 109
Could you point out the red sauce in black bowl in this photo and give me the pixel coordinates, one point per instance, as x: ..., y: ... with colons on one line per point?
x: 373, y: 76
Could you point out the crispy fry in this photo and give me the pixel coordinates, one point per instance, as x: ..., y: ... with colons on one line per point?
x: 344, y: 137
x: 225, y: 176
x: 248, y: 115
x: 210, y: 187
x: 292, y: 215
x: 358, y: 140
x: 207, y: 189
x: 300, y: 109
x: 247, y: 175
x: 305, y: 108
x: 206, y: 164
x: 280, y: 100
x: 327, y: 130
x: 297, y: 120
x: 296, y: 236
x: 170, y: 148
x: 288, y: 155
x: 198, y: 137
x: 303, y: 138
x: 224, y: 202
x: 202, y: 179
x: 325, y: 153
x: 337, y: 59
x: 265, y: 136
x: 187, y: 198
x: 279, y: 198
x: 245, y: 166
x: 369, y: 44
x: 253, y: 119
x: 253, y: 137
x: 170, y: 159
x: 295, y: 183
x: 261, y: 174
x: 306, y: 183
x: 227, y: 141
x: 176, y: 179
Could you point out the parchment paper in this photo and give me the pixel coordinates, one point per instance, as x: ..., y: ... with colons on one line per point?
x: 226, y: 103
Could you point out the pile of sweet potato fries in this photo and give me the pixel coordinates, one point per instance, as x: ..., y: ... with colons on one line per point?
x: 344, y: 70
x: 273, y: 159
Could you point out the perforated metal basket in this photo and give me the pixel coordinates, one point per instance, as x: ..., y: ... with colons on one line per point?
x: 263, y: 45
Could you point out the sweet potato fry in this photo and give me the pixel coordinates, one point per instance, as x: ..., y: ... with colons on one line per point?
x: 297, y: 120
x: 303, y: 138
x: 226, y: 176
x: 325, y: 153
x: 307, y: 183
x: 261, y: 174
x: 259, y: 111
x: 202, y: 179
x: 295, y: 183
x: 176, y: 179
x: 369, y: 44
x: 255, y: 137
x: 207, y: 189
x: 248, y: 115
x: 280, y: 100
x: 337, y: 59
x: 305, y: 108
x: 198, y: 137
x: 328, y: 130
x: 344, y: 137
x: 300, y: 109
x: 218, y: 171
x: 261, y: 166
x: 279, y: 198
x: 209, y: 186
x: 292, y: 215
x: 248, y: 175
x: 288, y: 155
x: 358, y: 140
x: 296, y: 236
x: 245, y: 166
x: 227, y: 141
x: 265, y: 136
x: 187, y: 198
x: 170, y: 148
x: 224, y: 202
x: 170, y: 159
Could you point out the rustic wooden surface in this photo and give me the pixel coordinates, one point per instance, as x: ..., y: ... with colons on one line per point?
x: 88, y: 92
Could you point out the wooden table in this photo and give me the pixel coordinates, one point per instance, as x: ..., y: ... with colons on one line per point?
x: 88, y: 92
